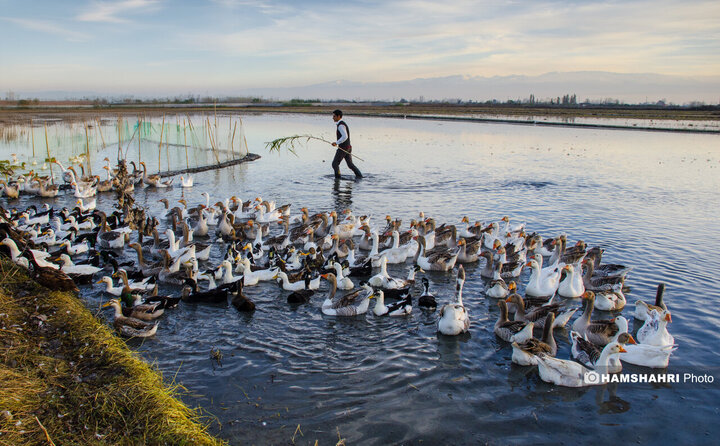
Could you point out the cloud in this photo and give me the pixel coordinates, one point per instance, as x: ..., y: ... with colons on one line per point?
x: 111, y: 12
x: 49, y: 28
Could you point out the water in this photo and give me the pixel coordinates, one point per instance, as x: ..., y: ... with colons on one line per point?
x: 649, y: 198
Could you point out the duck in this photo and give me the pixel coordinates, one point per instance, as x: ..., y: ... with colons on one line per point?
x: 538, y: 314
x: 80, y: 273
x: 542, y: 283
x: 642, y: 309
x: 511, y: 331
x: 85, y: 191
x: 569, y: 286
x: 218, y: 295
x: 51, y: 278
x: 314, y: 284
x: 130, y: 326
x: 526, y: 353
x: 74, y: 250
x: 426, y: 299
x: 599, y: 331
x: 353, y: 303
x: 588, y: 354
x: 396, y: 253
x: 566, y: 373
x: 454, y: 318
x: 302, y: 296
x: 654, y: 331
x: 400, y: 308
x: 240, y: 301
x: 144, y: 312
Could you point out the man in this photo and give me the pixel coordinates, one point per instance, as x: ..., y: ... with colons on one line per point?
x: 344, y: 149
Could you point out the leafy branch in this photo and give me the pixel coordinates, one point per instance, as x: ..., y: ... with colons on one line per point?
x: 291, y: 142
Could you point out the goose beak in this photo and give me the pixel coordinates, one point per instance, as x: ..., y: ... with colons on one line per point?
x: 106, y: 304
x: 99, y: 281
x: 631, y: 340
x: 622, y: 350
x: 668, y: 317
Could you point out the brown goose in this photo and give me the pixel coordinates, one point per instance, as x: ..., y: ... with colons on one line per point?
x: 599, y: 331
x: 526, y: 353
x: 511, y: 331
x: 539, y: 314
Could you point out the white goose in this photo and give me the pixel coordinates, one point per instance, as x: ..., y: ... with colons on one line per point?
x: 570, y: 287
x: 313, y: 284
x: 454, y: 318
x: 570, y: 373
x: 541, y: 284
x: 343, y: 282
x: 654, y: 331
x: 187, y: 181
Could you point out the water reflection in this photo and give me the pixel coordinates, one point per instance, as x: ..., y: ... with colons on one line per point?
x: 342, y: 193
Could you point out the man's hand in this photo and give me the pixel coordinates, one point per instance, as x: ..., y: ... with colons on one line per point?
x: 334, y: 144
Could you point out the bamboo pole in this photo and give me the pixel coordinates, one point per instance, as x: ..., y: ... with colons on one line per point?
x: 87, y: 150
x: 140, y: 121
x: 212, y: 143
x: 47, y: 147
x: 243, y: 135
x: 162, y: 128
x: 100, y: 132
x: 232, y: 141
x: 187, y: 160
x: 32, y: 133
x: 119, y: 131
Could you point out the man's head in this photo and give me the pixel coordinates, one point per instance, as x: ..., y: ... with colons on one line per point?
x: 337, y: 115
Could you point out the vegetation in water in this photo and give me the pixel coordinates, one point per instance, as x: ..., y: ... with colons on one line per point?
x: 289, y: 143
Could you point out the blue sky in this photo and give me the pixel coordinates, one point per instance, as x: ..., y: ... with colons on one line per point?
x: 175, y: 47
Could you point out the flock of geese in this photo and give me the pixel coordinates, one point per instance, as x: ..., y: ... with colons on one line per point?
x: 261, y: 242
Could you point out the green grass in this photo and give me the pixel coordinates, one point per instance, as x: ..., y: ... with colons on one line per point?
x: 65, y: 378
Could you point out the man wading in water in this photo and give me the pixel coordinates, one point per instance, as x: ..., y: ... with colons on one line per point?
x: 344, y: 149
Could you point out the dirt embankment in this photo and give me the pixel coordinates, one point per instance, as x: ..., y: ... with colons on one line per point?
x: 66, y: 379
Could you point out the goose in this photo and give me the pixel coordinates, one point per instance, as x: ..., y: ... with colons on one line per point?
x: 538, y: 314
x: 426, y: 299
x: 607, y: 283
x: 343, y: 282
x: 498, y: 289
x: 129, y: 326
x: 186, y: 181
x: 570, y: 373
x: 48, y: 190
x: 436, y: 262
x: 511, y: 331
x: 354, y: 303
x: 314, y: 284
x: 526, y: 353
x: 251, y: 277
x: 12, y: 192
x: 395, y: 254
x: 87, y: 205
x: 588, y: 354
x: 454, y: 318
x: 642, y: 309
x: 568, y: 285
x: 153, y: 180
x: 86, y: 191
x: 610, y: 300
x: 400, y: 308
x: 605, y: 269
x: 469, y: 251
x: 652, y: 356
x: 599, y: 331
x: 541, y: 284
x: 654, y: 331
x: 17, y: 257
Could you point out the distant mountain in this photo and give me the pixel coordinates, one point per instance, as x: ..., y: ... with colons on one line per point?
x: 594, y: 85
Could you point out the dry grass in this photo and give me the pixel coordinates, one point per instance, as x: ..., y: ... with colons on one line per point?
x: 66, y: 379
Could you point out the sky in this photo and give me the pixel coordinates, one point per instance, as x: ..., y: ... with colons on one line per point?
x: 165, y: 47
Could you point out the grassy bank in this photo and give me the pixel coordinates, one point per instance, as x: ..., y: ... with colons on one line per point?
x: 16, y: 115
x: 65, y: 378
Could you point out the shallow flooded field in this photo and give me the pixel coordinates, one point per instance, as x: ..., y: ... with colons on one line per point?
x: 649, y: 198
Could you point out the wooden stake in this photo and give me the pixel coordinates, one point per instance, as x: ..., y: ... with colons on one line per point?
x: 232, y: 141
x: 87, y: 150
x: 187, y: 160
x: 47, y: 147
x: 32, y: 132
x: 162, y: 128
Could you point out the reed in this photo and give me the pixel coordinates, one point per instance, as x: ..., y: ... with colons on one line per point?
x: 232, y: 140
x: 187, y: 159
x: 162, y: 128
x: 87, y: 150
x: 290, y: 143
x: 47, y: 148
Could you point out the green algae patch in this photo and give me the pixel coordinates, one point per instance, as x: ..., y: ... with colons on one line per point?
x: 65, y: 378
